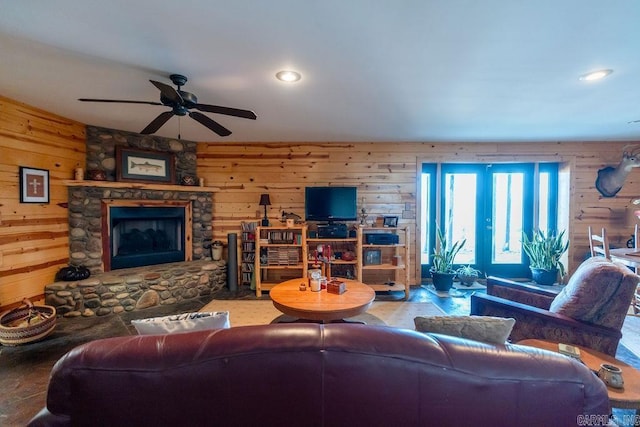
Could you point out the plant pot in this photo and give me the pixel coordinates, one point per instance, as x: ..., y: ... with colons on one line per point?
x: 544, y: 277
x: 467, y: 280
x: 442, y: 281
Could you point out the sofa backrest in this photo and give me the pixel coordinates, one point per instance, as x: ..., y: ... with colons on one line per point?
x: 599, y: 292
x: 316, y: 375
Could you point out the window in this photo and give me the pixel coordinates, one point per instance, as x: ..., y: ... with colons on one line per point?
x: 489, y: 205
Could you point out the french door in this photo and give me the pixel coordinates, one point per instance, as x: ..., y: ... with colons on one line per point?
x: 489, y: 205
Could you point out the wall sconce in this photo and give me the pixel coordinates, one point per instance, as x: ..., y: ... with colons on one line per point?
x: 265, y: 201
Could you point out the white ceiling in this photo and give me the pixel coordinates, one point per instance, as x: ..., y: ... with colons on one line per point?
x: 373, y: 70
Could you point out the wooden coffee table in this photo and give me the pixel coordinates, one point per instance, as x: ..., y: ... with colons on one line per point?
x: 321, y: 306
x: 625, y: 398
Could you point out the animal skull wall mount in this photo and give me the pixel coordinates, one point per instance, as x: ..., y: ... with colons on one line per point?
x: 611, y: 179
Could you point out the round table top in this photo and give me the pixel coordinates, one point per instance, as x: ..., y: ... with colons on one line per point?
x: 627, y: 397
x: 321, y: 306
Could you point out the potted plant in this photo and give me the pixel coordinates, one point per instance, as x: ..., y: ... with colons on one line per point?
x: 544, y: 252
x: 467, y: 275
x: 442, y: 272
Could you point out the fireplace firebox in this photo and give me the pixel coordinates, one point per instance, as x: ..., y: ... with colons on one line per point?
x: 145, y: 235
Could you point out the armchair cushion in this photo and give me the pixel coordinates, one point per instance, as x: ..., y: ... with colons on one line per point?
x: 599, y: 292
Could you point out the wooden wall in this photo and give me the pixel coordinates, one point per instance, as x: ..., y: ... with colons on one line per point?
x: 33, y: 238
x: 387, y: 177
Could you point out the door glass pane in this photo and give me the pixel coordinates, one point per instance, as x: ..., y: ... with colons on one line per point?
x: 425, y: 209
x: 507, y: 212
x: 543, y: 200
x: 460, y: 213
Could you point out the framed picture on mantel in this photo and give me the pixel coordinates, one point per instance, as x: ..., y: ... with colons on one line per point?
x: 144, y: 166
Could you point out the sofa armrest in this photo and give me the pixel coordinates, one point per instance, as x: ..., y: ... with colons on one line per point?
x: 533, y: 322
x: 520, y: 292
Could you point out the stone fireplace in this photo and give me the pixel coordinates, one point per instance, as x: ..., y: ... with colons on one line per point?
x: 96, y: 209
x: 143, y: 242
x: 113, y: 227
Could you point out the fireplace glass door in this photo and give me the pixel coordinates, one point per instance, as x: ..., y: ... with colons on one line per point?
x: 146, y: 236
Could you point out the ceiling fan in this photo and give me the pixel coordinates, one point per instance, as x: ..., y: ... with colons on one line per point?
x: 181, y: 102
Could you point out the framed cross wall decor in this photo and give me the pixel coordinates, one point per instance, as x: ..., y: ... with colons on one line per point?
x: 34, y: 185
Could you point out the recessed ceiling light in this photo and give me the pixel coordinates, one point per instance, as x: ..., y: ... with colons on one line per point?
x: 595, y: 75
x: 288, y: 76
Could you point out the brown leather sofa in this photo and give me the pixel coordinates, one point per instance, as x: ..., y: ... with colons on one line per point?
x: 317, y: 375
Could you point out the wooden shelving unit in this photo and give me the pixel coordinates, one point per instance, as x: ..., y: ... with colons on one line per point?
x: 384, y: 267
x: 281, y: 254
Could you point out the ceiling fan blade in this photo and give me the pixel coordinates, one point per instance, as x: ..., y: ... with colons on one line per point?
x: 247, y: 114
x: 125, y: 101
x: 168, y: 91
x: 211, y: 124
x: 157, y: 123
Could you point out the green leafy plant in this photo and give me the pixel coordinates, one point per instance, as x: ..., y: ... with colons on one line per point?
x: 445, y: 253
x: 467, y: 275
x: 467, y: 271
x: 545, y: 251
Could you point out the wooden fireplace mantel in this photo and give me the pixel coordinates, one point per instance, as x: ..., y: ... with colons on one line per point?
x: 140, y: 186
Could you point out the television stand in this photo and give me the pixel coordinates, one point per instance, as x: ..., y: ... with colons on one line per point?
x: 333, y: 231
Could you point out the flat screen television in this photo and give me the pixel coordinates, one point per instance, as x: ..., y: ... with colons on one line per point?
x: 330, y: 204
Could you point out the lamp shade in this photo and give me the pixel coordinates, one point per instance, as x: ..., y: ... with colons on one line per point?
x: 264, y: 200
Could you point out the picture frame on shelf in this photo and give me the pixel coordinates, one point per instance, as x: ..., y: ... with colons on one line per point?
x: 372, y: 257
x: 144, y: 166
x: 390, y: 221
x: 34, y: 185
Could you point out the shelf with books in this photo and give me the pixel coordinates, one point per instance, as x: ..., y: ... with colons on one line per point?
x: 280, y: 252
x: 247, y: 252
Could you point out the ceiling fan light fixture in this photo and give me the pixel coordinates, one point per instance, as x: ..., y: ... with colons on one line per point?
x: 288, y: 76
x: 595, y: 75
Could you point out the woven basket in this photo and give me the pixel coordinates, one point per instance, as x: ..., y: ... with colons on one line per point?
x: 16, y: 335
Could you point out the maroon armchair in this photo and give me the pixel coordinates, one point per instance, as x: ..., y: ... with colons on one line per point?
x: 588, y: 312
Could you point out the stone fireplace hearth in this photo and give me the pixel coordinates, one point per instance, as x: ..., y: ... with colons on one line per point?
x: 133, y: 289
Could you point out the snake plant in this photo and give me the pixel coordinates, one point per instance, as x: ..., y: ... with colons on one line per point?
x: 445, y: 253
x: 544, y: 251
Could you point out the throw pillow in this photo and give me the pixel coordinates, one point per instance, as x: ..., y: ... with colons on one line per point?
x: 493, y: 330
x: 187, y: 322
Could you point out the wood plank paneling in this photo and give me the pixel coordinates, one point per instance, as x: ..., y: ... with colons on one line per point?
x: 34, y: 238
x: 387, y: 174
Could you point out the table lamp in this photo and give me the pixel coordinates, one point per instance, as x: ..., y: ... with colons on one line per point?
x: 264, y: 201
